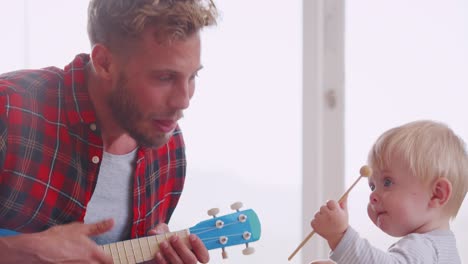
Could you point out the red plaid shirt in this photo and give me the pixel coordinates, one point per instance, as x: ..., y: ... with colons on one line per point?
x: 50, y: 153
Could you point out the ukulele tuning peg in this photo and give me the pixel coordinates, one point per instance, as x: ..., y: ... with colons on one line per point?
x: 213, y: 212
x: 248, y: 250
x: 224, y: 254
x: 236, y: 206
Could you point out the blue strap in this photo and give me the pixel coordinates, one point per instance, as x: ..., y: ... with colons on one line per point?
x: 6, y: 232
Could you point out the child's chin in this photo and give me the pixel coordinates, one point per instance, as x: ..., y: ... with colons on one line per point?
x: 393, y: 233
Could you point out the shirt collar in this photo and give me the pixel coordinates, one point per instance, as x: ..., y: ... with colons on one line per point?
x: 80, y: 109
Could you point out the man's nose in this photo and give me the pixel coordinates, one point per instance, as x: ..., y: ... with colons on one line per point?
x: 180, y: 97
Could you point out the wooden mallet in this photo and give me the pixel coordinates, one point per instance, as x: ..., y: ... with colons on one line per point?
x: 365, y: 171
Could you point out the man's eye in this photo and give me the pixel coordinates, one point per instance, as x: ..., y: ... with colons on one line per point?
x: 165, y: 78
x: 387, y: 182
x: 194, y: 76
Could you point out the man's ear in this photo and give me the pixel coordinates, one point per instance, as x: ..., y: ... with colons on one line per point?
x: 101, y: 58
x: 441, y: 192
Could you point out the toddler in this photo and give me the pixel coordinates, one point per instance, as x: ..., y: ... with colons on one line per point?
x: 419, y: 181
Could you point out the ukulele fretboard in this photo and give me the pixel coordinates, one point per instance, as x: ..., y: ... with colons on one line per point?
x: 140, y: 249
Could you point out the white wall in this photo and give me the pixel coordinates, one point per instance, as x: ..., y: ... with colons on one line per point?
x: 13, y: 42
x: 41, y: 33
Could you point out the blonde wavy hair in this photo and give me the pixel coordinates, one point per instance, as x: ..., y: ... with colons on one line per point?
x: 111, y: 22
x: 431, y: 150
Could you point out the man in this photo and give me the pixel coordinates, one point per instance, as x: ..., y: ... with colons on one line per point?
x: 93, y: 152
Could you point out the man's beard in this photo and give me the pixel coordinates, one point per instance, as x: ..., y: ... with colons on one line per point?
x: 129, y: 116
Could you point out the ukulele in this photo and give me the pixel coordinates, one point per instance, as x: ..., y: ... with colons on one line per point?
x: 241, y: 227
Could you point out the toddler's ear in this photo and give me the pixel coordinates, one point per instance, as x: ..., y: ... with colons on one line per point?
x: 441, y: 192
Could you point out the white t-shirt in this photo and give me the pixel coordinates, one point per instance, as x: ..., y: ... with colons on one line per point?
x: 112, y: 197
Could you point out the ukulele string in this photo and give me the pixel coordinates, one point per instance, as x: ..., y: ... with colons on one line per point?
x: 208, y: 229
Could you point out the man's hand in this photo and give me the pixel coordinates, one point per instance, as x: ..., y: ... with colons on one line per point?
x: 175, y: 251
x: 68, y: 243
x: 331, y: 222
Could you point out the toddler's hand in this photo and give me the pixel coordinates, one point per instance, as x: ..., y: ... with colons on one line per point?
x: 331, y: 222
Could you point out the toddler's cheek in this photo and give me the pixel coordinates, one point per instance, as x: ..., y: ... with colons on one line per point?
x: 371, y: 213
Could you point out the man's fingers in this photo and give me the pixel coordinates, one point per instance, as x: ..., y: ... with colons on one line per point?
x: 102, y: 257
x: 169, y: 253
x: 199, y: 249
x: 98, y: 228
x: 182, y: 250
x: 175, y: 250
x: 76, y: 245
x: 159, y: 229
x: 159, y: 259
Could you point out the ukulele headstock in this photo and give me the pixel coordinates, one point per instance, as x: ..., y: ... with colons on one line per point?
x: 240, y: 227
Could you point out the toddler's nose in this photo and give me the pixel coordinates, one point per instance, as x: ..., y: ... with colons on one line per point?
x: 373, y: 198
